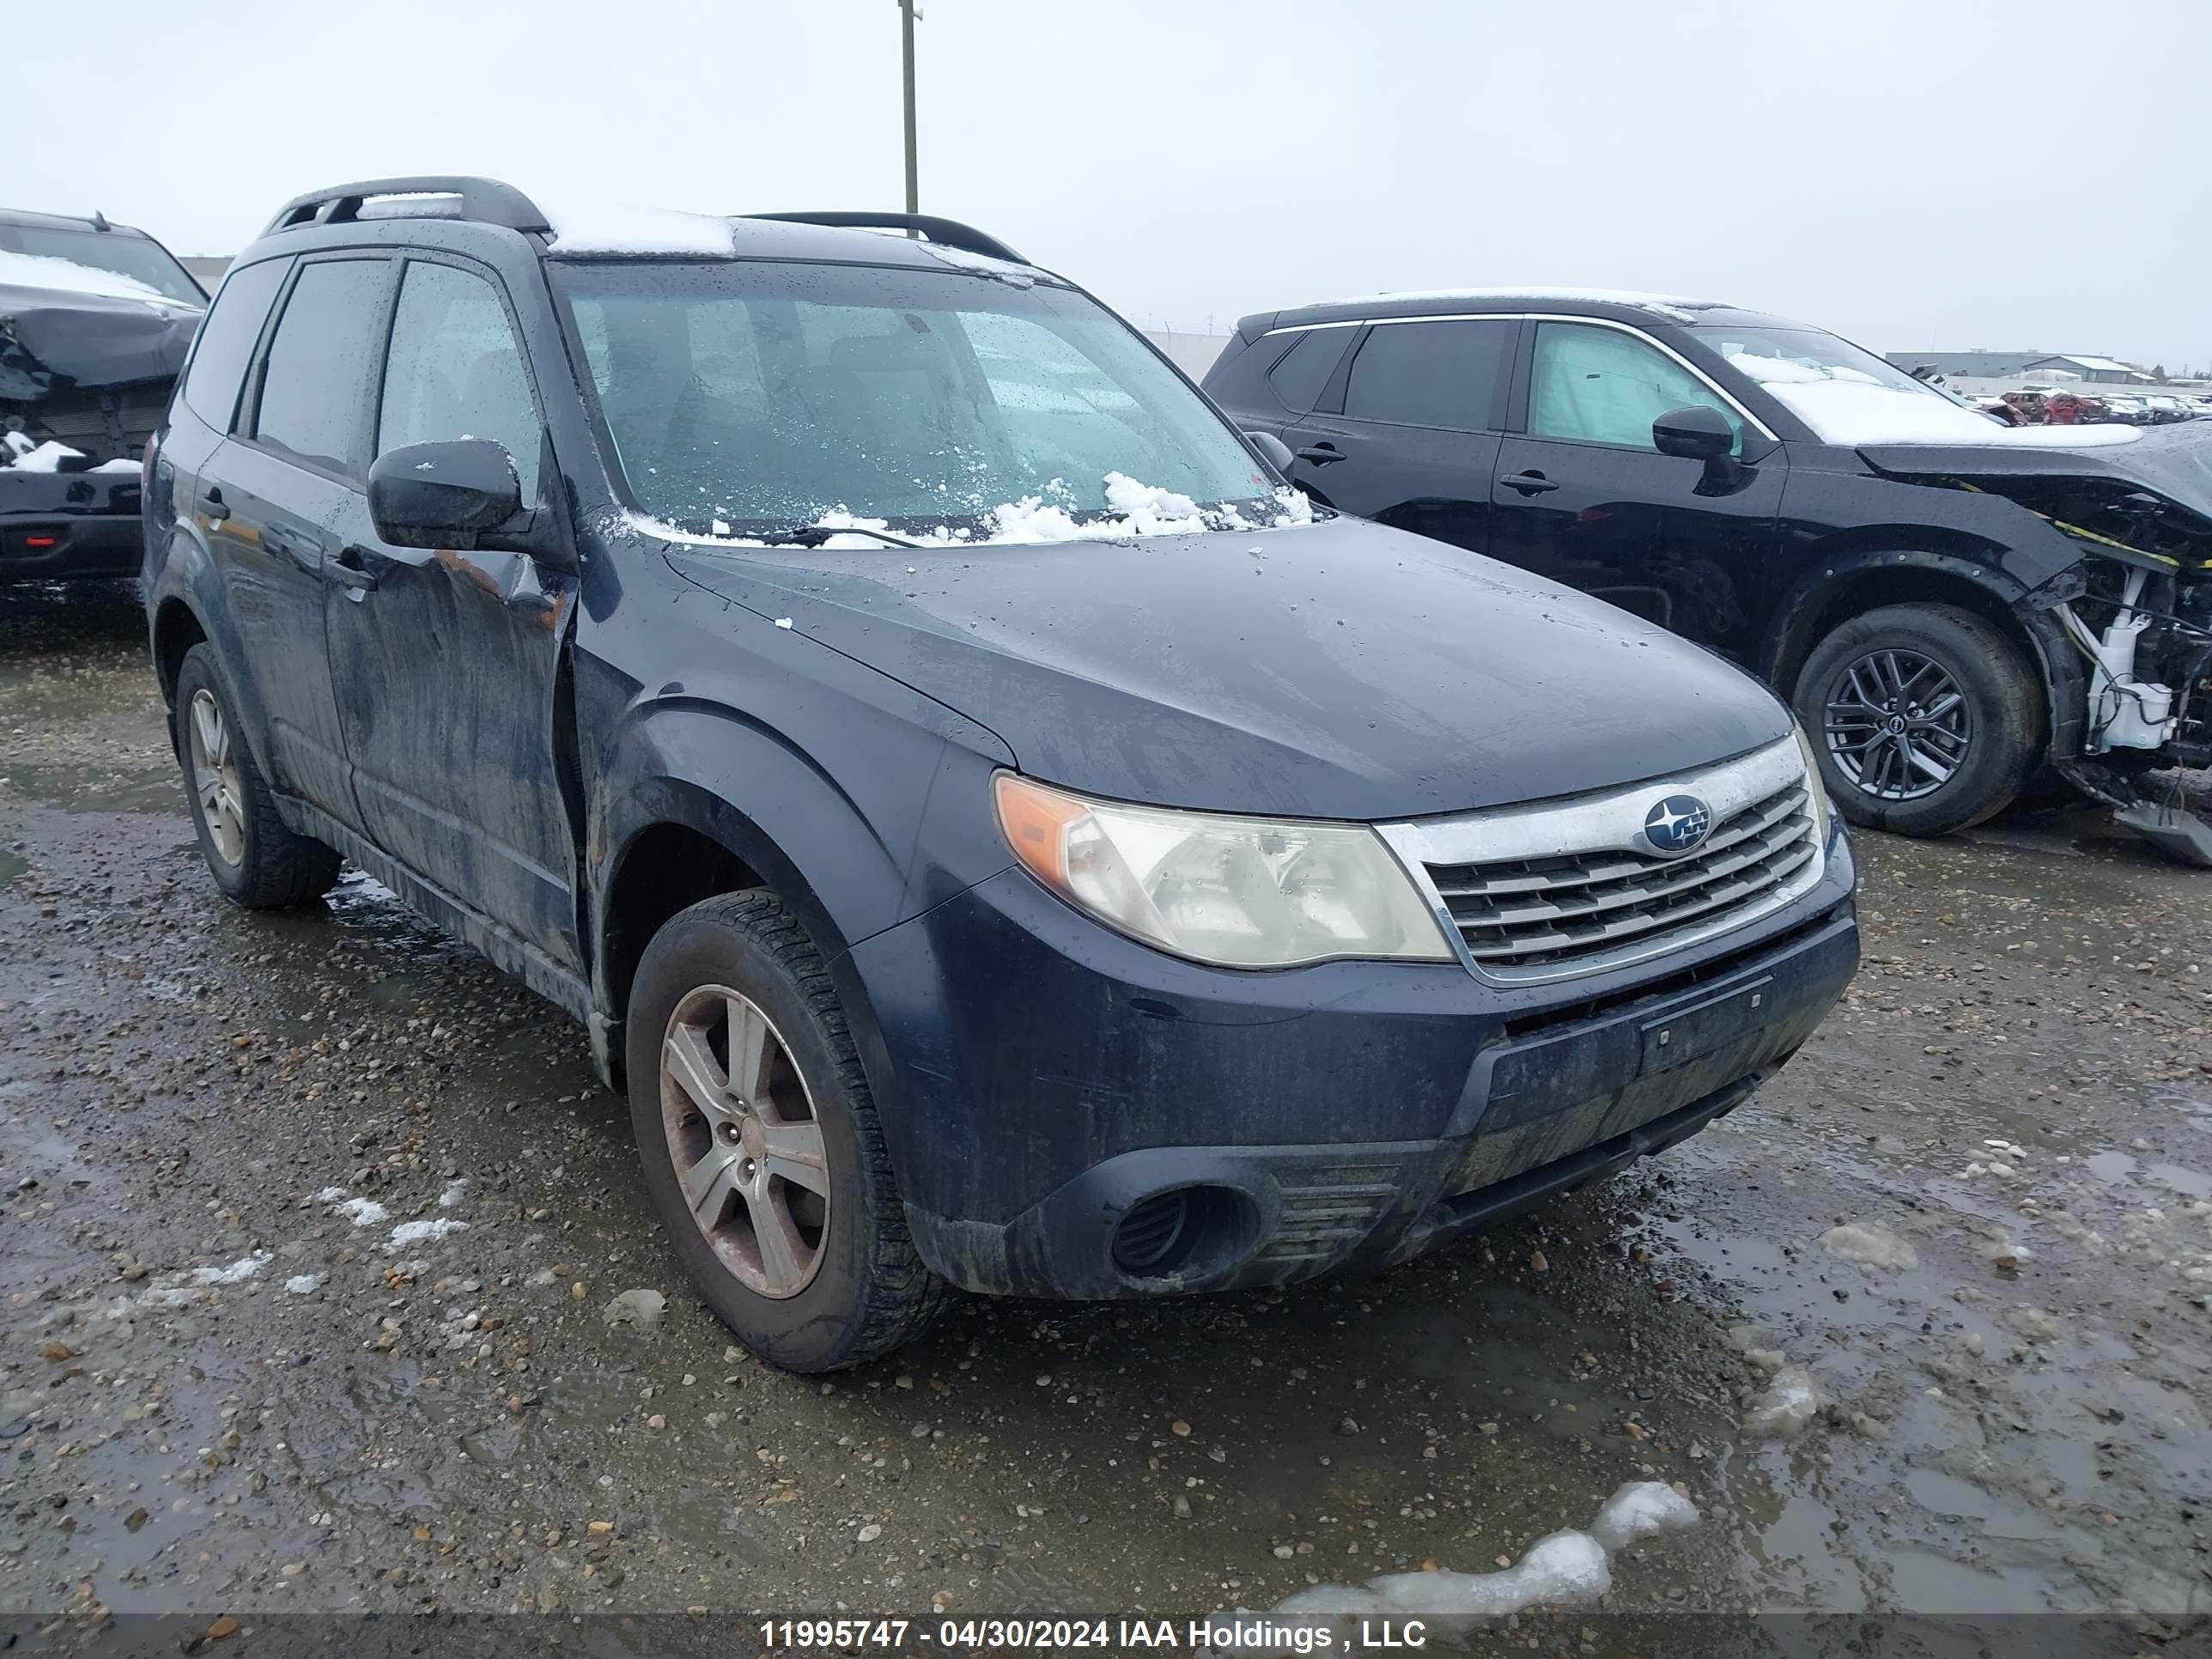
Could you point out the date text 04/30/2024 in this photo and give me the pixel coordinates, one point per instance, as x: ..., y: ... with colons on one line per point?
x: 1220, y: 1634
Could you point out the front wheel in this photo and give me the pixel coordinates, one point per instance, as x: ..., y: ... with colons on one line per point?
x: 1926, y: 718
x: 759, y: 1141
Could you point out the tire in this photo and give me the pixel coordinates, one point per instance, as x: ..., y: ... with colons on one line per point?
x: 846, y: 1286
x: 1991, y: 739
x: 256, y: 858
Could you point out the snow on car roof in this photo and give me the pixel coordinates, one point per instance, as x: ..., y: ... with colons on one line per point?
x: 43, y: 270
x: 1674, y: 307
x: 617, y: 227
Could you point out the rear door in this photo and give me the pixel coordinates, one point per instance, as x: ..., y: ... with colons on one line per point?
x: 446, y: 661
x: 274, y: 498
x: 1409, y: 436
x: 1582, y: 494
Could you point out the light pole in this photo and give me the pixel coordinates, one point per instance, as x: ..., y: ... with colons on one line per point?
x: 907, y: 15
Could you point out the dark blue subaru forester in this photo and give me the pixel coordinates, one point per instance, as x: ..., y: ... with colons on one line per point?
x: 997, y: 835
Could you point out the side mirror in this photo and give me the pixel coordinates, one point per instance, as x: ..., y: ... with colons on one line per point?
x: 442, y: 495
x: 1696, y: 432
x: 1277, y: 451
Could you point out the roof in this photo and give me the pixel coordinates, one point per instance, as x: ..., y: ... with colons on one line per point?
x: 613, y: 229
x: 2095, y: 365
x: 61, y: 222
x: 1610, y: 304
x: 1979, y: 361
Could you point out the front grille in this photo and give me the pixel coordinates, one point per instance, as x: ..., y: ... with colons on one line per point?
x: 1558, y: 911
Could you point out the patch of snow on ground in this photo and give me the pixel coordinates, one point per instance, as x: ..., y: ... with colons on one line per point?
x: 451, y: 1195
x: 361, y: 1212
x: 303, y: 1283
x: 41, y: 271
x: 246, y: 1267
x: 1564, y: 1569
x: 1792, y: 1400
x: 1870, y: 1243
x: 418, y: 1232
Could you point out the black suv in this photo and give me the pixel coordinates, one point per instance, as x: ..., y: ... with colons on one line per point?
x: 996, y: 833
x: 1952, y: 604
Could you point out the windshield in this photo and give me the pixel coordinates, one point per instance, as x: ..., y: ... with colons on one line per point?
x: 144, y: 262
x: 1846, y: 394
x: 750, y: 397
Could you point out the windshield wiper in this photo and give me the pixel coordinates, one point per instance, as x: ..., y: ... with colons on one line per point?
x: 815, y: 535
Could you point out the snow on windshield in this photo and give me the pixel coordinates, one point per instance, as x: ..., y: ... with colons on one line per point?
x: 1134, y: 509
x: 1848, y: 405
x: 39, y: 270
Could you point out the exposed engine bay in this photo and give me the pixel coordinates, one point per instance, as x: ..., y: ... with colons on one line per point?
x: 2137, y: 608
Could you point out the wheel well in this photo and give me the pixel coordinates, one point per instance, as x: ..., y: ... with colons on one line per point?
x: 1891, y: 583
x: 667, y: 868
x: 176, y: 631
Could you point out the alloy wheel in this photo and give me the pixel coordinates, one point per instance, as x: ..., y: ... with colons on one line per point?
x: 215, y: 776
x: 745, y: 1140
x: 1898, y: 725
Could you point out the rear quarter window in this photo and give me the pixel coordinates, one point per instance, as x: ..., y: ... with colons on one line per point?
x: 226, y: 341
x: 1300, y: 374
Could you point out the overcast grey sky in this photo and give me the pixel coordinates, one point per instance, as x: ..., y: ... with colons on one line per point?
x: 1954, y: 173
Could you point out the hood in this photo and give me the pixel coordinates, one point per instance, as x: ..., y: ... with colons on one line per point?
x: 1339, y: 669
x: 2173, y: 461
x: 52, y: 340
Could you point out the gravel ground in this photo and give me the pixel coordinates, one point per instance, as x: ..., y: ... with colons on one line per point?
x: 312, y: 1227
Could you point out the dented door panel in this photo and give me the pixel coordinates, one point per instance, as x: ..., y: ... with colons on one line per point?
x: 445, y: 665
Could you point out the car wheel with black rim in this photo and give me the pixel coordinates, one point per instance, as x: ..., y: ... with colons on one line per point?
x: 1926, y: 718
x: 759, y: 1141
x: 256, y: 860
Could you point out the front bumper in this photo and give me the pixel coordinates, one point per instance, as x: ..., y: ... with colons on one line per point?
x: 67, y: 524
x: 1042, y: 1078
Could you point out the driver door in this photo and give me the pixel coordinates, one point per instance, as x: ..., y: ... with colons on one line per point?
x: 1582, y: 496
x: 444, y: 662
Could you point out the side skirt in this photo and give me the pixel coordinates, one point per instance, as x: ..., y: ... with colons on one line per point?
x: 505, y: 950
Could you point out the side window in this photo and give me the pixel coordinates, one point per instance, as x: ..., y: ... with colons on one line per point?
x: 316, y: 376
x: 1599, y: 385
x: 455, y: 370
x: 1301, y: 372
x: 1444, y: 375
x: 226, y: 341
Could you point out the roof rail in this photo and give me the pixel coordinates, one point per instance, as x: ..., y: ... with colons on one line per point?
x: 949, y: 233
x: 484, y: 200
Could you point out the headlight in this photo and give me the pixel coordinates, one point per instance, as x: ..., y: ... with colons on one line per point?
x: 1813, y: 787
x: 1239, y: 892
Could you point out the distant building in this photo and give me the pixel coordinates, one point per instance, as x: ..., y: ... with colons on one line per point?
x: 1982, y: 365
x: 2100, y: 371
x: 2018, y: 365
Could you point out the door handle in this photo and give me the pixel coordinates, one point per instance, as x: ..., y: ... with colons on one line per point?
x: 211, y: 506
x: 1528, y: 484
x: 1320, y: 454
x: 349, y: 569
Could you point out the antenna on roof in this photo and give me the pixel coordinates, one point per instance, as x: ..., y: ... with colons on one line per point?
x: 100, y: 221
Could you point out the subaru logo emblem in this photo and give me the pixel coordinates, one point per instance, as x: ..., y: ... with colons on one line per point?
x: 1677, y: 824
